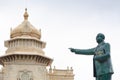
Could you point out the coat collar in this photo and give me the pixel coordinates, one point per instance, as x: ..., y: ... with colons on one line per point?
x: 100, y: 44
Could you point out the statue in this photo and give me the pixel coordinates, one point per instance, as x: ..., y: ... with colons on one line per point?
x: 102, y: 65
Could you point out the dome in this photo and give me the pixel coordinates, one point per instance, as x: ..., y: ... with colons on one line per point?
x: 25, y: 29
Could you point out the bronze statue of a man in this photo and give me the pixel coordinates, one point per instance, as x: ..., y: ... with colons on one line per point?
x: 101, y: 61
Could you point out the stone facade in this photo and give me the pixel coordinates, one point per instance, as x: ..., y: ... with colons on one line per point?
x: 61, y: 74
x: 25, y: 72
x: 25, y: 58
x: 1, y: 75
x: 19, y: 66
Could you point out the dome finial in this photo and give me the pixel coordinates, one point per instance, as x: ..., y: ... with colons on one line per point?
x: 26, y: 14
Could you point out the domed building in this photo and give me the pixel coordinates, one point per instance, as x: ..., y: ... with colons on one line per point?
x: 25, y: 59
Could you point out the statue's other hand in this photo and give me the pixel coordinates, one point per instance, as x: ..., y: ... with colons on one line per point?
x: 72, y: 49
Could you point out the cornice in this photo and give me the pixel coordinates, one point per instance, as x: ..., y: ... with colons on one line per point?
x: 25, y: 58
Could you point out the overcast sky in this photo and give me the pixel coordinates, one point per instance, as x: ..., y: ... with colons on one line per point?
x: 64, y: 24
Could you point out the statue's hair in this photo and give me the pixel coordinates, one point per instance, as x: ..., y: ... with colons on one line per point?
x: 102, y: 35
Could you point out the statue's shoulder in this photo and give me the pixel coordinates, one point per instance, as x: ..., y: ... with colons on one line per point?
x: 107, y: 44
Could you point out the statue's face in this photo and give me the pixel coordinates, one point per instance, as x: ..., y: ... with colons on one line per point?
x: 99, y: 38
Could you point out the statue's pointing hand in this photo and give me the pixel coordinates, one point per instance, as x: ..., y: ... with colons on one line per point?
x: 72, y: 49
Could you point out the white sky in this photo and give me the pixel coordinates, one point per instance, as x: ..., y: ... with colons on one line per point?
x: 64, y: 24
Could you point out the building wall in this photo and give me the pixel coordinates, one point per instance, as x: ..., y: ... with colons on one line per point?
x: 1, y: 75
x: 34, y: 72
x: 61, y: 74
x: 28, y: 71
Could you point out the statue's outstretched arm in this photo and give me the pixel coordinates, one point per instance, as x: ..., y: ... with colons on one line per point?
x: 83, y: 51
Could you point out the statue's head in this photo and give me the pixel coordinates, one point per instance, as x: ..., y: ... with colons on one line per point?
x: 100, y: 38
